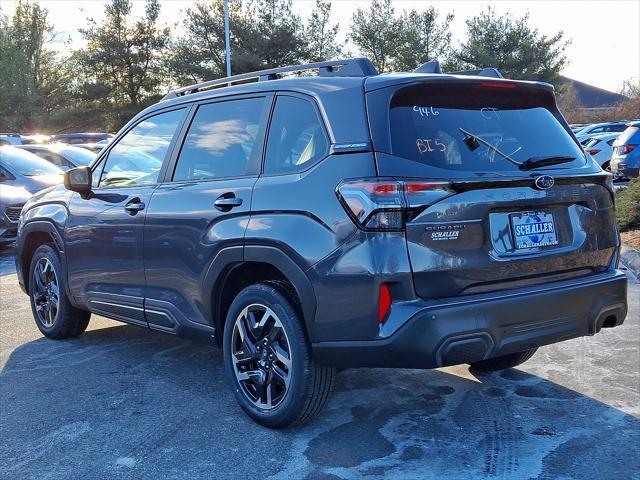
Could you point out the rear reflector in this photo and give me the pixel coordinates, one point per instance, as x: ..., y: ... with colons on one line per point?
x: 593, y: 151
x: 384, y: 302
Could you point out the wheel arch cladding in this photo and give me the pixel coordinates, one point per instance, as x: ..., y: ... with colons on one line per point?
x: 33, y: 235
x: 261, y: 264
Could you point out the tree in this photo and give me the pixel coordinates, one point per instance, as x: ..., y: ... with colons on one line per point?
x: 122, y: 61
x: 513, y: 47
x: 280, y: 40
x: 321, y: 34
x: 264, y: 34
x: 33, y: 80
x: 423, y: 38
x: 200, y: 53
x: 629, y: 107
x: 571, y: 107
x: 377, y: 33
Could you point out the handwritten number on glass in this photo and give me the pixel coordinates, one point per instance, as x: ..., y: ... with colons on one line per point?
x: 425, y: 111
x: 426, y: 145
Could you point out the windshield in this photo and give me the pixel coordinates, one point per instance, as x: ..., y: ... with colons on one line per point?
x: 26, y: 163
x: 79, y: 156
x: 435, y: 125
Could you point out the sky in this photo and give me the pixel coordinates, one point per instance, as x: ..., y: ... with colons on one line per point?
x: 605, y: 35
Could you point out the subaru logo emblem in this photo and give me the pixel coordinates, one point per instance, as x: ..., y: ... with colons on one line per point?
x: 544, y: 182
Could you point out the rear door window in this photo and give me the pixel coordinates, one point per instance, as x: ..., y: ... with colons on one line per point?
x: 221, y: 140
x: 434, y: 125
x: 297, y: 138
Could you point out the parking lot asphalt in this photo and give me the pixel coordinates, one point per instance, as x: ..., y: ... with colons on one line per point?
x: 123, y: 402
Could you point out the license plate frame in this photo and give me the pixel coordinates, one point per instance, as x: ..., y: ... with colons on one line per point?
x: 536, y: 229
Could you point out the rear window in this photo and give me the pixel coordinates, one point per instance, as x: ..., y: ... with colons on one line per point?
x: 435, y: 124
x: 26, y: 163
x: 630, y: 135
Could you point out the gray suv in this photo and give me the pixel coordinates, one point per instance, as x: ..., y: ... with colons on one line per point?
x: 343, y: 219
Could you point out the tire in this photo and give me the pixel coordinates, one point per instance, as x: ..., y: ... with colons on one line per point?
x: 56, y: 320
x: 277, y: 383
x: 504, y: 362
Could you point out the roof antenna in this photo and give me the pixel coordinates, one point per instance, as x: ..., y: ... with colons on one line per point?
x: 432, y: 66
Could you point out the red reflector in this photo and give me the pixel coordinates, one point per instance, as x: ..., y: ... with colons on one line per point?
x: 384, y: 302
x: 593, y: 151
x: 498, y: 85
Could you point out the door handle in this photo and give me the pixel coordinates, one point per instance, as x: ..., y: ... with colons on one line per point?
x: 227, y: 201
x: 134, y: 206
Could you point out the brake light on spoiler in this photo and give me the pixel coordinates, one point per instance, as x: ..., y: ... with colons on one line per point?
x: 381, y: 203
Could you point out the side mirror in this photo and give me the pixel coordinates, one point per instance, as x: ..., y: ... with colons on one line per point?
x: 78, y: 179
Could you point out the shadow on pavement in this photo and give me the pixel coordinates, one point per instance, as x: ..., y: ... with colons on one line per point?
x: 126, y: 402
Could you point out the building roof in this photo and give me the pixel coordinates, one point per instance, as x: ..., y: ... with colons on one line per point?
x: 590, y: 96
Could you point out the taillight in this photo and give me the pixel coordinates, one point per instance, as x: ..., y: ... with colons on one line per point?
x: 498, y: 85
x: 593, y: 151
x: 385, y: 203
x: 624, y: 149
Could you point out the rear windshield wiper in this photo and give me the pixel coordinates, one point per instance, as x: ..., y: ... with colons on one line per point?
x: 472, y: 140
x: 535, y: 162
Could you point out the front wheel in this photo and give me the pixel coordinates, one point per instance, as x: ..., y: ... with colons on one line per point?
x: 54, y: 315
x: 503, y: 362
x: 274, y: 376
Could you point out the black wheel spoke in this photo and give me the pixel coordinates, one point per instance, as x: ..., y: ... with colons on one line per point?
x: 282, y: 356
x: 247, y: 339
x: 281, y: 375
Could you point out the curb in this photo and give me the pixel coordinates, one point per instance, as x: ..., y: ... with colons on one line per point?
x: 631, y: 259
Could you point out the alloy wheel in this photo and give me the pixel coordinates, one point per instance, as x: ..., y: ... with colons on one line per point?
x: 46, y: 296
x: 261, y: 356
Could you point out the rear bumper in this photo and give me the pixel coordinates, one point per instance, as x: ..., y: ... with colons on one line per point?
x: 484, y: 326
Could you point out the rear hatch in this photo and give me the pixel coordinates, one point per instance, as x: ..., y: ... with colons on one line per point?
x: 515, y: 202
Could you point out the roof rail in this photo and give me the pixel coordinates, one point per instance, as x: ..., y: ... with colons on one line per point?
x: 483, y: 72
x: 352, y: 67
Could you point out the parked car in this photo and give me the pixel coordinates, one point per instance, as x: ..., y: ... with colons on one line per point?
x: 576, y: 127
x: 626, y: 154
x: 11, y: 201
x: 345, y: 220
x: 583, y: 135
x: 600, y: 147
x: 10, y: 139
x: 61, y: 155
x: 75, y: 138
x: 20, y: 168
x: 94, y: 147
x: 35, y: 139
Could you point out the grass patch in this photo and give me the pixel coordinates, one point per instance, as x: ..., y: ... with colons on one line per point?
x: 628, y: 206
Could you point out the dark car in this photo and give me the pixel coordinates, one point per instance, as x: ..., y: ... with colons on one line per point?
x: 61, y: 155
x: 626, y: 152
x: 75, y: 138
x: 20, y: 168
x: 347, y: 219
x: 11, y: 201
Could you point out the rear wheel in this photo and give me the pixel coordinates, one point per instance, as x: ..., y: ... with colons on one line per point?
x: 501, y: 363
x: 274, y: 376
x: 54, y: 315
